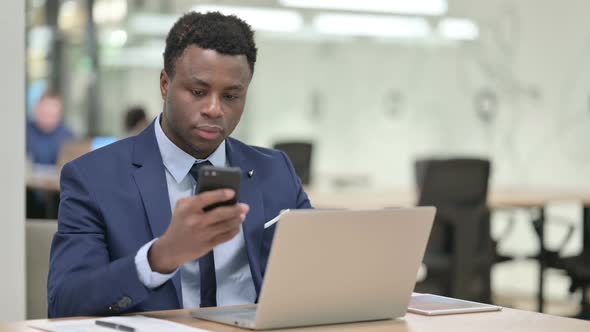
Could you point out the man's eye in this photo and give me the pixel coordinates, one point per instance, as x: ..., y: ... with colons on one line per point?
x: 198, y: 93
x: 231, y: 97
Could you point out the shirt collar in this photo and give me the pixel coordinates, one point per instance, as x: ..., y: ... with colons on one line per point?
x: 178, y: 162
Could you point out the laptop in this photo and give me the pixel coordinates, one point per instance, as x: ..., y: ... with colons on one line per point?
x: 336, y: 266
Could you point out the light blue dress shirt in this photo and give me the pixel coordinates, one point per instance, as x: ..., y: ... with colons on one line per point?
x: 234, y: 279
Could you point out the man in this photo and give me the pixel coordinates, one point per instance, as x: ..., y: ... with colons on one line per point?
x: 45, y: 137
x: 131, y: 235
x: 46, y: 134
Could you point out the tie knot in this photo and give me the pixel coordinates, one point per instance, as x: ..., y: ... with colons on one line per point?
x: 194, y: 171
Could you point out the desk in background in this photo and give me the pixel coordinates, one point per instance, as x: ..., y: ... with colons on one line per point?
x: 534, y: 199
x: 46, y: 179
x: 505, y: 320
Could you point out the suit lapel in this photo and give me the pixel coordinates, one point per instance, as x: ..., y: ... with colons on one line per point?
x: 151, y: 182
x: 150, y: 178
x: 251, y: 195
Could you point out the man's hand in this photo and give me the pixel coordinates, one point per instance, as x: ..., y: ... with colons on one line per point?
x: 194, y: 232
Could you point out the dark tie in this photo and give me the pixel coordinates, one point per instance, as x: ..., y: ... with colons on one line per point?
x: 207, y: 262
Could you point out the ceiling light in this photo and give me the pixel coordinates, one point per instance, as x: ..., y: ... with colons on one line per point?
x: 458, y: 29
x: 372, y: 25
x: 69, y: 15
x: 267, y: 19
x: 413, y: 7
x: 107, y: 11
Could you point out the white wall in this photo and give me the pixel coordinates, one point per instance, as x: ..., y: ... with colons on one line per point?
x: 12, y: 169
x: 534, y: 55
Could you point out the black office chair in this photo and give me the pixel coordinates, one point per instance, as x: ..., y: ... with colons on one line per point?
x: 460, y: 251
x: 578, y: 269
x: 300, y: 154
x: 552, y: 257
x: 41, y: 204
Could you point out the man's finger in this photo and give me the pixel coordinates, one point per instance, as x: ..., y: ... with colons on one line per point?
x: 222, y: 213
x: 228, y: 224
x: 207, y: 198
x: 226, y: 236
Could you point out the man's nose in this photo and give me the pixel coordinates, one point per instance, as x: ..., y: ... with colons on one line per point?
x: 213, y: 107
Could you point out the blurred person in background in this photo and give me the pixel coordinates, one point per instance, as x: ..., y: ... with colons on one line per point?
x: 46, y: 133
x: 135, y: 120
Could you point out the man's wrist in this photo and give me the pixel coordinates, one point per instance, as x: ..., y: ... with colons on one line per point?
x: 158, y: 259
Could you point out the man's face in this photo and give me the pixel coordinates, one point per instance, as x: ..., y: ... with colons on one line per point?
x: 48, y: 114
x: 204, y: 100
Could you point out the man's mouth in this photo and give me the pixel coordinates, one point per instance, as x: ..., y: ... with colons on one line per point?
x: 209, y: 132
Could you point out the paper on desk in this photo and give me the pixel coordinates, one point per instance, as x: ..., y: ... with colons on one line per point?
x: 140, y: 323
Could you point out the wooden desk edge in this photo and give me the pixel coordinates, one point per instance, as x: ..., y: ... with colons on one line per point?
x: 507, y: 319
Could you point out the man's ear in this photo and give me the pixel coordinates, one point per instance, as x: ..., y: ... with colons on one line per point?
x: 164, y: 83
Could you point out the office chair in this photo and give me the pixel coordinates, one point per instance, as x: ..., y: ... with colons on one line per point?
x: 552, y: 257
x: 460, y: 250
x: 39, y: 235
x: 578, y: 269
x: 300, y: 154
x: 35, y: 206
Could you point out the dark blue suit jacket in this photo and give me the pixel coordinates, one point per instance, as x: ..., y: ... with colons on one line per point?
x: 115, y: 199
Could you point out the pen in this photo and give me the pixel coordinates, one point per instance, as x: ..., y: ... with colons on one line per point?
x: 115, y: 326
x: 274, y: 220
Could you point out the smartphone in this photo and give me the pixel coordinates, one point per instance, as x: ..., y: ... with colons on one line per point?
x: 212, y: 178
